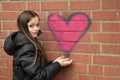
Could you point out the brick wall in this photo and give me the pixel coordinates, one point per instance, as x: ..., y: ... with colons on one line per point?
x: 96, y: 56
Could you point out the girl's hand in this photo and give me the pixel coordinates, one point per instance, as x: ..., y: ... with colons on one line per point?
x: 63, y: 61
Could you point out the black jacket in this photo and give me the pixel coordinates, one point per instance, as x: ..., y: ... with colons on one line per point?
x: 23, y: 52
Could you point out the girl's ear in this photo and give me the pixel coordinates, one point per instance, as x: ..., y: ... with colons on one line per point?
x: 40, y: 32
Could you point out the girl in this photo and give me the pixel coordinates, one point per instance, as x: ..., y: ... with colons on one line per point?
x: 29, y: 59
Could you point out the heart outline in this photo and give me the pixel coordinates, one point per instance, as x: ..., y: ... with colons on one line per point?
x: 67, y: 22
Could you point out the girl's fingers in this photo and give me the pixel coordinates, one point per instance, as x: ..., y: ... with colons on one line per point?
x: 62, y: 57
x: 59, y: 58
x: 66, y: 59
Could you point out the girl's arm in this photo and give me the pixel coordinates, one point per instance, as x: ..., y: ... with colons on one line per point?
x: 36, y: 72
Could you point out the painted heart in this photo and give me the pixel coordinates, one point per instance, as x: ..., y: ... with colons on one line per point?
x: 68, y: 32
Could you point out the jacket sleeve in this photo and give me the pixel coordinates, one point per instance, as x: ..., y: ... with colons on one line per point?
x: 36, y: 72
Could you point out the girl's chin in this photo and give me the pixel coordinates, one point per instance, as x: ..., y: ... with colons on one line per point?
x: 34, y: 36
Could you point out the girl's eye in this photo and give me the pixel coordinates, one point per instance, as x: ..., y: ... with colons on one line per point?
x: 31, y: 26
x: 38, y: 24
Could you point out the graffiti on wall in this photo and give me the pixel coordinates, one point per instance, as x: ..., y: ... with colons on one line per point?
x: 68, y: 32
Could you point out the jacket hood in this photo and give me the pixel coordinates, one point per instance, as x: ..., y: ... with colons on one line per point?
x: 14, y: 41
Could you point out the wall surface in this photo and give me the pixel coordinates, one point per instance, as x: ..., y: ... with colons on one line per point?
x: 96, y: 55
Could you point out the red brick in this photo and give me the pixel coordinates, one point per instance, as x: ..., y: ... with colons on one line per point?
x: 81, y: 58
x: 111, y: 27
x: 44, y: 25
x: 0, y: 26
x: 105, y: 37
x: 42, y: 15
x: 85, y: 5
x: 9, y: 62
x: 53, y: 55
x: 63, y: 76
x: 106, y: 15
x: 110, y: 4
x: 2, y: 62
x: 1, y: 44
x: 52, y: 12
x: 34, y: 5
x: 67, y: 14
x: 9, y: 26
x: 5, y: 72
x: 5, y: 78
x: 89, y: 48
x: 112, y: 71
x: 3, y: 34
x: 8, y: 15
x: 11, y: 31
x: 77, y: 58
x: 111, y: 49
x: 95, y: 69
x: 47, y: 36
x: 95, y: 56
x: 85, y: 77
x: 75, y: 68
x: 107, y: 60
x: 105, y: 78
x: 60, y: 5
x: 3, y: 54
x: 86, y: 38
x: 85, y: 59
x: 51, y: 46
x: 13, y: 6
x: 95, y: 27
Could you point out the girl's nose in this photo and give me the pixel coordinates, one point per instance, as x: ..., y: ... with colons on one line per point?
x: 36, y: 27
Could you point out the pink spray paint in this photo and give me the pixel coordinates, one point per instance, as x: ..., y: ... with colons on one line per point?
x: 68, y: 32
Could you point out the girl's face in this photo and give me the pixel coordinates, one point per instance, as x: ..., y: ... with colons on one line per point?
x: 34, y: 26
